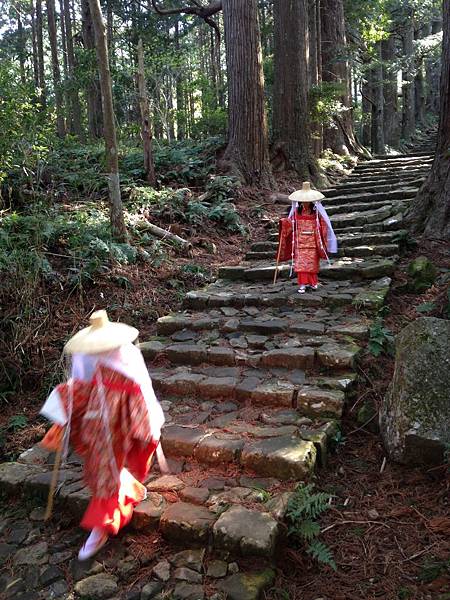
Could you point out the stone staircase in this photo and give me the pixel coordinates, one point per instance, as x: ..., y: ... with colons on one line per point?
x: 253, y: 377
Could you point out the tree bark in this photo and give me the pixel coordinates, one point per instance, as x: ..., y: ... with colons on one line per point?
x: 181, y: 112
x: 314, y: 69
x: 290, y: 89
x: 76, y: 127
x: 51, y: 18
x: 433, y: 72
x: 430, y: 211
x: 247, y: 151
x: 40, y: 52
x: 419, y: 88
x: 146, y: 129
x: 335, y: 70
x: 390, y: 113
x: 366, y: 90
x: 21, y: 45
x: 378, y: 146
x: 408, y: 120
x: 118, y: 228
x: 93, y: 96
x: 35, y: 47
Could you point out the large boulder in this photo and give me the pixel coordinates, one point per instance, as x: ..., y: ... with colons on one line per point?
x: 415, y: 415
x: 421, y: 274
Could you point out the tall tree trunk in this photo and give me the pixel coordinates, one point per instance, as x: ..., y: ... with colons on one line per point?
x: 40, y: 52
x: 378, y: 105
x: 35, y: 47
x: 76, y: 127
x: 430, y: 211
x: 290, y: 89
x: 408, y: 120
x: 181, y: 112
x: 366, y: 90
x: 93, y: 96
x: 110, y: 30
x: 335, y: 70
x: 433, y: 71
x: 419, y: 88
x: 170, y: 115
x: 51, y: 18
x: 21, y: 45
x: 146, y: 129
x: 247, y: 151
x: 118, y: 228
x: 313, y: 69
x: 390, y: 113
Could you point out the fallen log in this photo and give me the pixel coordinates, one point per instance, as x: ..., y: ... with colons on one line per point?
x: 163, y: 234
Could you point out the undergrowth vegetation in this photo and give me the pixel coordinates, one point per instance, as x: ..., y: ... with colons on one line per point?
x: 304, y: 508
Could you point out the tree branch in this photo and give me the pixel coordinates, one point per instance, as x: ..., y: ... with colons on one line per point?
x: 203, y: 12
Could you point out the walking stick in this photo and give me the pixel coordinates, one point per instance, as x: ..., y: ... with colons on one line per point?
x: 54, y: 481
x: 275, y: 275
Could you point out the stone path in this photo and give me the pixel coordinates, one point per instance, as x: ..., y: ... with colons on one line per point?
x: 253, y: 379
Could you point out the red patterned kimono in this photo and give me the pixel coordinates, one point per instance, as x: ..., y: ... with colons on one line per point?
x: 308, y: 248
x: 110, y: 430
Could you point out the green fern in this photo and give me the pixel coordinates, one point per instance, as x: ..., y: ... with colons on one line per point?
x: 303, y: 510
x: 321, y: 553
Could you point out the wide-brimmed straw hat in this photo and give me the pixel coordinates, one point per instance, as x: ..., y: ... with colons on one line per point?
x: 102, y: 335
x: 306, y: 194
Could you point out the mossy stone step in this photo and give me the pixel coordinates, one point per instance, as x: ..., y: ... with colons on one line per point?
x: 355, y: 269
x: 352, y: 251
x: 377, y: 187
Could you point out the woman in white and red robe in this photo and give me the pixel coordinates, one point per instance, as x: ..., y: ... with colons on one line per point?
x: 109, y: 414
x: 306, y: 236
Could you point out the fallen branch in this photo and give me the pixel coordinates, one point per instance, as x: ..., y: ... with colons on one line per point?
x: 354, y: 522
x: 163, y: 234
x: 279, y: 198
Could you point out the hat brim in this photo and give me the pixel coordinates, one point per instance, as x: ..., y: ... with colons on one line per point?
x: 108, y: 337
x: 309, y: 196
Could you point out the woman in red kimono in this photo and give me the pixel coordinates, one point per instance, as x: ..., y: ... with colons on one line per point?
x: 306, y: 236
x: 109, y: 414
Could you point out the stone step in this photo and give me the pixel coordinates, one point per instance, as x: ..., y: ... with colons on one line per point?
x: 387, y: 174
x: 426, y: 153
x: 419, y: 162
x: 306, y: 348
x: 352, y: 251
x: 369, y: 197
x: 245, y: 392
x: 226, y: 293
x: 340, y: 209
x: 355, y: 269
x: 345, y: 240
x: 373, y: 188
x: 197, y: 326
x: 392, y: 223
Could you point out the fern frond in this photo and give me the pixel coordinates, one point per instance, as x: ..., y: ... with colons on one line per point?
x: 321, y: 553
x: 308, y: 530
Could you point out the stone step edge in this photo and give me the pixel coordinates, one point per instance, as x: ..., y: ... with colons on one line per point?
x: 180, y: 522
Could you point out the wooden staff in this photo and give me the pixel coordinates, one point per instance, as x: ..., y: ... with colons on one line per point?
x: 275, y: 275
x: 54, y: 481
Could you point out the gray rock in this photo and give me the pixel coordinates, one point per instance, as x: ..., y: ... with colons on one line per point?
x: 60, y: 557
x: 217, y: 569
x: 127, y: 567
x: 281, y: 457
x: 147, y: 513
x: 185, y: 574
x: 97, y: 587
x: 162, y: 570
x: 32, y: 555
x: 56, y: 591
x: 13, y: 587
x: 151, y: 589
x: 83, y: 569
x: 215, y: 450
x: 183, y: 522
x: 166, y: 483
x: 245, y: 531
x: 194, y: 495
x: 50, y: 575
x: 191, y: 559
x: 247, y: 586
x: 415, y: 414
x: 188, y: 591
